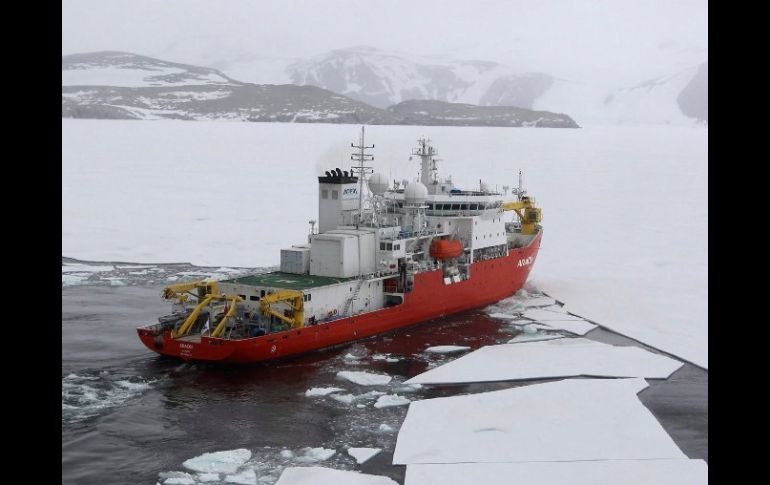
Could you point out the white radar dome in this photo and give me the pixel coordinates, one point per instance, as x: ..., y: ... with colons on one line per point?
x: 415, y: 193
x: 378, y: 183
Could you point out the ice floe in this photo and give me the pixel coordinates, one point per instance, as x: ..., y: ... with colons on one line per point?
x: 391, y: 400
x: 246, y: 477
x: 322, y: 476
x: 363, y: 454
x: 569, y: 420
x: 446, y: 349
x: 384, y: 428
x: 629, y: 472
x: 364, y: 378
x: 344, y: 398
x: 218, y: 461
x: 179, y: 481
x: 549, y: 359
x: 208, y: 477
x: 322, y: 391
x: 316, y: 454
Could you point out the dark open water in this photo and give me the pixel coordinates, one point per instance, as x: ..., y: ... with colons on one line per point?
x: 130, y: 416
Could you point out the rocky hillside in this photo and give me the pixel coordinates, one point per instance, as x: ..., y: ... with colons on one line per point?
x: 119, y: 85
x: 456, y: 114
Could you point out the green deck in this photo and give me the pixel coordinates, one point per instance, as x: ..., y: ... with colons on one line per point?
x: 288, y: 281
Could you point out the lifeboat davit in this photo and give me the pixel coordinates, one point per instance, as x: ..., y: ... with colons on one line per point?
x: 445, y: 248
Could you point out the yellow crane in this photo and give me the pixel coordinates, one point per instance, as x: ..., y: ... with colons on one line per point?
x: 192, y: 317
x: 529, y: 215
x: 294, y: 299
x: 182, y: 290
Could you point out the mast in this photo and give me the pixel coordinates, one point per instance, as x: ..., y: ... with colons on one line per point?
x: 361, y: 156
x: 428, y: 170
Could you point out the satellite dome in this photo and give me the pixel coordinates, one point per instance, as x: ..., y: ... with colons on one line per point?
x: 378, y: 183
x: 415, y: 193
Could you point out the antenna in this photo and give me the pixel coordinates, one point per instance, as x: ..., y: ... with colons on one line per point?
x: 361, y: 156
x: 427, y: 154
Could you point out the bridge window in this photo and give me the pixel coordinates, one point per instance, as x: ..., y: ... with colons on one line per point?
x: 474, y: 207
x: 464, y: 207
x: 455, y: 207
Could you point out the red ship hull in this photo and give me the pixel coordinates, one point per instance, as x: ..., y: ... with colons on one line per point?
x: 491, y: 281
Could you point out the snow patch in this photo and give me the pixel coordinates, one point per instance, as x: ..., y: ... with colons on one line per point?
x: 322, y: 391
x: 391, y: 400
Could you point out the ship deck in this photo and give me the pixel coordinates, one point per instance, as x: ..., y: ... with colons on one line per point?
x: 289, y: 281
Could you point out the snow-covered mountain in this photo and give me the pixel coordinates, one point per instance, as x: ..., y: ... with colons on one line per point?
x: 381, y: 78
x: 119, y: 85
x: 110, y: 68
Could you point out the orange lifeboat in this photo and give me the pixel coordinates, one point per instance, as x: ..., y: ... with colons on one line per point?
x: 445, y: 248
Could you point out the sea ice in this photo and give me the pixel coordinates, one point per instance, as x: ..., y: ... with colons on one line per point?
x: 569, y: 420
x: 363, y: 454
x: 344, y: 398
x: 391, y: 400
x: 446, y: 349
x: 546, y: 315
x: 548, y: 359
x: 179, y: 481
x: 322, y: 391
x: 317, y: 454
x: 538, y: 337
x: 208, y: 477
x: 364, y: 378
x: 384, y: 428
x: 629, y: 472
x: 318, y: 475
x: 219, y: 461
x: 246, y: 477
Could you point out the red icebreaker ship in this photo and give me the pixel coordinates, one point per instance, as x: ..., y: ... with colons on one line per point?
x: 381, y: 257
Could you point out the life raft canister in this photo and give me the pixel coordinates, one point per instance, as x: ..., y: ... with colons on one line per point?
x: 445, y: 248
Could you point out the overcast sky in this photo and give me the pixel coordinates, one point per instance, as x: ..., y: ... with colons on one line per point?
x: 624, y: 40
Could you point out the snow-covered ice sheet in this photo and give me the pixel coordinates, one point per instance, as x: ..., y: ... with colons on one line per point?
x: 364, y: 378
x: 538, y: 337
x: 644, y: 274
x: 321, y: 476
x: 219, y: 461
x: 363, y: 454
x: 627, y: 472
x: 574, y: 419
x: 446, y: 349
x: 548, y: 359
x: 549, y: 315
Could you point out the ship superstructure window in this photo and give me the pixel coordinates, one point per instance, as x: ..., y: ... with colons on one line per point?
x: 389, y: 246
x: 464, y: 207
x: 396, y: 247
x: 335, y: 195
x: 254, y: 298
x: 324, y: 194
x: 262, y: 293
x: 243, y: 297
x: 455, y: 207
x: 382, y: 246
x: 474, y: 207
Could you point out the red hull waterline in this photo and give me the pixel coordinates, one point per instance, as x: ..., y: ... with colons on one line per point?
x: 491, y: 281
